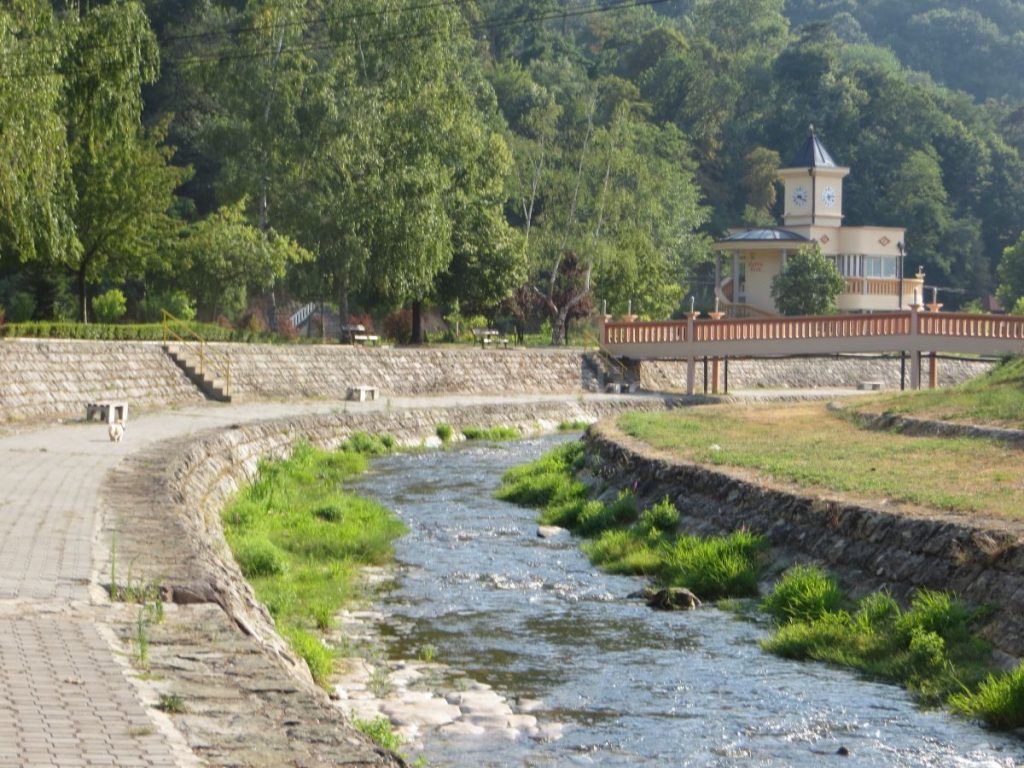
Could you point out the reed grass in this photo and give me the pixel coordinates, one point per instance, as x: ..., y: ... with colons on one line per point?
x: 299, y: 537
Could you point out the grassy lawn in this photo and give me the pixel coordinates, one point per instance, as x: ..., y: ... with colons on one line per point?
x: 822, y: 452
x: 996, y: 399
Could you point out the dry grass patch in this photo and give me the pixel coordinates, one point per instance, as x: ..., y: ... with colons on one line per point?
x: 822, y: 452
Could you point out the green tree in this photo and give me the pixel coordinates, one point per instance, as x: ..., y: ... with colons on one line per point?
x: 1011, y: 275
x: 223, y: 257
x: 808, y: 284
x: 123, y: 180
x: 34, y: 179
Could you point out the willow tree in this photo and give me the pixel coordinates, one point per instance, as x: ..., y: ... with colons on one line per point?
x: 123, y: 181
x: 34, y: 179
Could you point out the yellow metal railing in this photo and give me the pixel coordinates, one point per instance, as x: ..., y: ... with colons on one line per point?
x: 219, y: 366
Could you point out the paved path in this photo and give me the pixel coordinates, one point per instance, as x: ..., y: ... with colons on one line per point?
x: 65, y: 698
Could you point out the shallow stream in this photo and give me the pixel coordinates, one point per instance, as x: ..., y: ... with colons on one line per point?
x: 633, y: 687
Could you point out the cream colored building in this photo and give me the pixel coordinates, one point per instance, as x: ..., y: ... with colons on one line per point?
x: 869, y: 258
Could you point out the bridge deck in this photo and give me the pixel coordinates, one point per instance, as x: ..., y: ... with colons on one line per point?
x: 910, y: 331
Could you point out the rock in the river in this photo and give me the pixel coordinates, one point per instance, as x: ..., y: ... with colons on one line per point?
x: 550, y: 531
x: 672, y: 599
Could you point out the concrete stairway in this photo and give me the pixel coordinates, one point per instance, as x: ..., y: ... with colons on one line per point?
x: 204, y: 376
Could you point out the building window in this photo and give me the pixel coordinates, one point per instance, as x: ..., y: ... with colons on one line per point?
x: 848, y: 264
x: 879, y: 266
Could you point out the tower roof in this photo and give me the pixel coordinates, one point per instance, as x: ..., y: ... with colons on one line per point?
x: 812, y: 154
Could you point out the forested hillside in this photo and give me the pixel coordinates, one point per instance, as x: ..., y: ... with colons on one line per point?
x: 518, y: 158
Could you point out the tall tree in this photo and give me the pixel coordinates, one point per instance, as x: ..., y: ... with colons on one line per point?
x: 34, y: 180
x: 121, y: 171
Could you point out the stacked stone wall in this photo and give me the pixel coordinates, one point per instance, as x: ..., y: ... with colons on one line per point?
x: 805, y: 372
x: 260, y: 371
x: 55, y: 379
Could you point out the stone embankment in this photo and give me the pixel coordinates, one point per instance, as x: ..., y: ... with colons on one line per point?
x: 44, y: 379
x: 803, y: 372
x: 249, y: 700
x: 869, y: 548
x: 54, y: 379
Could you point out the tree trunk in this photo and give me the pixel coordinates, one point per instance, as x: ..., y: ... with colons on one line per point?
x: 83, y: 298
x: 417, y: 323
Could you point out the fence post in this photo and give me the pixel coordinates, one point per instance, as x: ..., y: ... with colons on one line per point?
x: 915, y: 352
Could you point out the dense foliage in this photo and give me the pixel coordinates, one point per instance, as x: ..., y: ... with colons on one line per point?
x: 532, y: 159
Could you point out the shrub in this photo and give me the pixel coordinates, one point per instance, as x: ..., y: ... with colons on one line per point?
x: 21, y: 305
x: 804, y: 593
x: 369, y: 445
x: 716, y: 567
x: 597, y: 517
x: 397, y: 326
x: 258, y: 557
x: 176, y: 303
x: 444, y: 432
x: 491, y: 433
x: 662, y: 518
x: 999, y: 700
x: 110, y: 307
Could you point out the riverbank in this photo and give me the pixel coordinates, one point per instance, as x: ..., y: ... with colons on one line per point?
x: 868, y: 547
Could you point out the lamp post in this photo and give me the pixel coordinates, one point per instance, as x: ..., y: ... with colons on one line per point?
x: 903, y: 356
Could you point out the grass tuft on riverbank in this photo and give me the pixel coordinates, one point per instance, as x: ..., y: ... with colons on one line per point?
x: 929, y: 648
x: 626, y: 540
x: 822, y: 452
x: 300, y: 539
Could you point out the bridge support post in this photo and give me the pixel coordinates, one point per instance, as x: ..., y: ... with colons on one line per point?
x: 714, y: 376
x: 933, y: 370
x: 691, y: 374
x: 915, y: 355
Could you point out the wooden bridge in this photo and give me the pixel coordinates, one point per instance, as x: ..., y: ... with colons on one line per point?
x: 912, y: 331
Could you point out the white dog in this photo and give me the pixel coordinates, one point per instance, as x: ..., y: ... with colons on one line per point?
x: 116, y: 431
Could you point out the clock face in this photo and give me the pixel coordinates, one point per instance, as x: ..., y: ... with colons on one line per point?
x: 800, y: 196
x: 828, y: 196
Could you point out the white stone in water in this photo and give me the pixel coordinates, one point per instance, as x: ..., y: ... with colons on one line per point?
x: 528, y: 705
x: 549, y: 732
x: 431, y: 714
x: 461, y: 728
x: 549, y: 531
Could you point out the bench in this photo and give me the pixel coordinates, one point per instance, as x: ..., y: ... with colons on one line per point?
x: 488, y: 336
x: 107, y: 411
x: 362, y: 393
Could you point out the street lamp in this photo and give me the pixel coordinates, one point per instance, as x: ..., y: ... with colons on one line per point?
x: 903, y: 356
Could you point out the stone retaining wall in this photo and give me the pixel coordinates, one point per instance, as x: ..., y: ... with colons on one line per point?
x: 54, y: 379
x: 802, y: 372
x: 263, y: 371
x: 868, y: 548
x: 51, y: 379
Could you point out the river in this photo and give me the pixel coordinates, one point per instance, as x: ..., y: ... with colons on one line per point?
x: 532, y: 619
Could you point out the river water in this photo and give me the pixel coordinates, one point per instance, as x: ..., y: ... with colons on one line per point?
x: 632, y: 686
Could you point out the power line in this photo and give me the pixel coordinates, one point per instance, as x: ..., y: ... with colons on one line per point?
x: 485, y: 25
x: 401, y: 37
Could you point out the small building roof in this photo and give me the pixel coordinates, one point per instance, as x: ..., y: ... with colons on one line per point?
x: 765, y: 234
x: 812, y: 154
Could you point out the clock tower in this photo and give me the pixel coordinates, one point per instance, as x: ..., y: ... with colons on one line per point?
x: 814, y: 187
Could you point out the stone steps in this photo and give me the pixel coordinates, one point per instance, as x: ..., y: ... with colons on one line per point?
x: 211, y: 386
